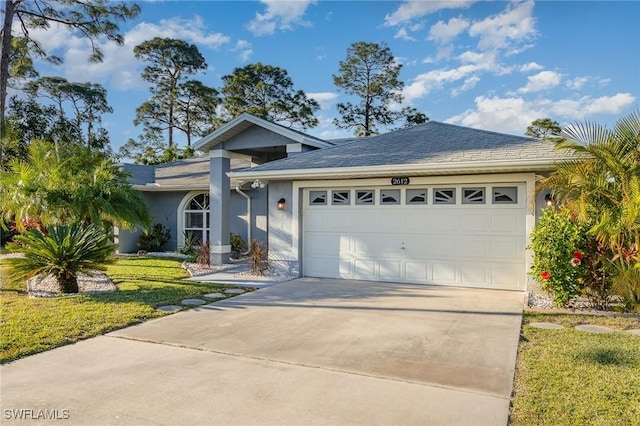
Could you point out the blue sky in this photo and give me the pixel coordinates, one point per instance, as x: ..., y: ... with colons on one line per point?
x: 492, y: 65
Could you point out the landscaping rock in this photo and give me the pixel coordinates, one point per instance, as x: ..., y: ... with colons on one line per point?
x: 546, y: 325
x: 214, y: 296
x: 169, y: 308
x: 593, y: 328
x: 193, y: 302
x: 234, y: 291
x: 47, y: 286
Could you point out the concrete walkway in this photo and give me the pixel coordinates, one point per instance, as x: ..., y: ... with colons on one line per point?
x: 302, y: 352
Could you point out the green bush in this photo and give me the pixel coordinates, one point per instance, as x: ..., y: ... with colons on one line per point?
x: 155, y: 239
x: 238, y: 244
x: 559, y: 244
x: 190, y: 247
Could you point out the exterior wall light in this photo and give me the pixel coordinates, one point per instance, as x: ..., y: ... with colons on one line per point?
x: 281, y: 203
x: 548, y: 199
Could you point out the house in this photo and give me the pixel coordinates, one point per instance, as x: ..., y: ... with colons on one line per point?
x: 434, y: 203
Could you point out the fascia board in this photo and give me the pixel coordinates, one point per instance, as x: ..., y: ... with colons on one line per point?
x: 413, y: 169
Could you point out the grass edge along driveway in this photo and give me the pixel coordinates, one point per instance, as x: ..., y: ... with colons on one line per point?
x: 32, y: 325
x: 570, y: 377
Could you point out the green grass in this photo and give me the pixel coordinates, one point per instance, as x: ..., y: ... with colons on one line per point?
x: 568, y: 377
x: 31, y: 325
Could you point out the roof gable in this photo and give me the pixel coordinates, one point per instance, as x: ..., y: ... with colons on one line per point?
x: 246, y: 121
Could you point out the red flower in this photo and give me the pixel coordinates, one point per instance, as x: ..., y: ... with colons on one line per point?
x: 578, y: 255
x: 576, y: 261
x: 545, y: 275
x: 574, y: 217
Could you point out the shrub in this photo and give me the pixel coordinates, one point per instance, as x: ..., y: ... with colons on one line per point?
x: 62, y: 251
x: 627, y: 285
x: 190, y: 244
x: 155, y: 239
x: 204, y: 254
x: 238, y: 244
x: 559, y: 244
x: 258, y: 257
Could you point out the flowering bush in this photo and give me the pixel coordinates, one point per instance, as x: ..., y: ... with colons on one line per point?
x: 558, y: 242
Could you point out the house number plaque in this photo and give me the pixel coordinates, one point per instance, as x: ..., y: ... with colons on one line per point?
x: 400, y: 181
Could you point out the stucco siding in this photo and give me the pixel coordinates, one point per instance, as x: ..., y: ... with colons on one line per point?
x: 282, y: 255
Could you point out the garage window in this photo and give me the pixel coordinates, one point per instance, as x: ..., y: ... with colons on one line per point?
x: 366, y: 196
x: 416, y: 196
x: 318, y: 198
x: 389, y: 196
x: 473, y: 195
x: 444, y: 196
x: 340, y: 198
x: 505, y: 195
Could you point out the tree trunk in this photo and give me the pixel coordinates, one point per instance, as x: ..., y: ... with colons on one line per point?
x: 5, y: 46
x: 68, y: 283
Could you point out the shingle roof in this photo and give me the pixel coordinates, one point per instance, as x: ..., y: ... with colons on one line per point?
x: 188, y: 172
x: 431, y: 142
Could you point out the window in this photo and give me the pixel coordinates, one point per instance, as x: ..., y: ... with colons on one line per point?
x: 318, y: 198
x: 197, y: 218
x: 473, y: 195
x: 365, y: 197
x: 444, y: 196
x: 340, y: 197
x: 505, y: 195
x: 416, y: 196
x: 389, y: 196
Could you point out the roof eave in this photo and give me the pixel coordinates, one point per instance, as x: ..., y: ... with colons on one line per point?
x: 428, y: 169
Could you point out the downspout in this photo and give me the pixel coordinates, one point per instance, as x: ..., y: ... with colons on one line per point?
x: 239, y: 191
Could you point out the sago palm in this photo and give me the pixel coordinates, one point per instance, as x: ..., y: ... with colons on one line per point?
x: 62, y: 251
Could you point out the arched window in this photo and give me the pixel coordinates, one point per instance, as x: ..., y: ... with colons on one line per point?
x: 196, y: 217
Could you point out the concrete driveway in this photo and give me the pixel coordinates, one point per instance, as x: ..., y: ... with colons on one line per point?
x: 308, y: 351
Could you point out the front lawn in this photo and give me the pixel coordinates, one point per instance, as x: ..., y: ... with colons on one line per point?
x: 31, y: 325
x: 569, y: 377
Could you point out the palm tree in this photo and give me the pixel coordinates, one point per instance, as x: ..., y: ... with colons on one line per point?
x: 66, y: 185
x: 62, y: 251
x: 600, y: 185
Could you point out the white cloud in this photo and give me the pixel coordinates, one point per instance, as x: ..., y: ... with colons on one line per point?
x: 531, y: 66
x: 120, y: 68
x: 469, y: 84
x: 403, y: 35
x: 577, y: 83
x: 507, y: 29
x: 443, y: 33
x: 245, y: 49
x: 414, y: 9
x: 427, y: 82
x: 280, y: 15
x: 325, y: 99
x: 514, y: 114
x: 544, y: 80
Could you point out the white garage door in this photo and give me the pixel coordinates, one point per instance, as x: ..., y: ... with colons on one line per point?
x: 471, y: 235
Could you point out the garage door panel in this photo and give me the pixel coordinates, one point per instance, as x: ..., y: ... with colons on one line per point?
x: 444, y: 221
x: 365, y: 246
x: 416, y: 271
x: 475, y: 221
x: 474, y: 274
x: 507, y: 247
x: 507, y: 275
x: 390, y: 270
x: 472, y: 247
x: 508, y: 222
x: 445, y: 272
x: 364, y: 269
